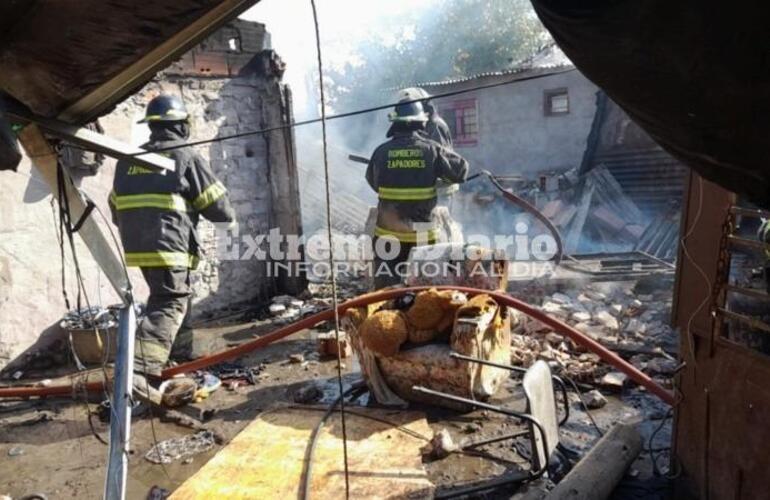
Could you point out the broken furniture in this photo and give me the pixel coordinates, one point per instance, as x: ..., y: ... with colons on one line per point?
x: 61, y: 75
x: 540, y: 417
x: 480, y: 329
x: 597, y: 473
x: 391, y: 375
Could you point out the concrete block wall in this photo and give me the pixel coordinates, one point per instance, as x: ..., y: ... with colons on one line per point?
x: 259, y: 172
x: 515, y: 137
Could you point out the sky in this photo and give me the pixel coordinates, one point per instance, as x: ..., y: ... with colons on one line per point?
x: 343, y: 23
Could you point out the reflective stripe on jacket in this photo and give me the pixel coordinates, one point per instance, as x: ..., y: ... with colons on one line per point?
x: 428, y: 237
x: 403, y: 171
x: 157, y: 211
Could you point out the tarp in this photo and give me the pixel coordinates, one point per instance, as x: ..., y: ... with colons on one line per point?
x: 695, y: 74
x: 73, y: 59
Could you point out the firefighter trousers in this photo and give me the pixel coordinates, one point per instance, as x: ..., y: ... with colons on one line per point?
x: 391, y: 270
x: 164, y: 332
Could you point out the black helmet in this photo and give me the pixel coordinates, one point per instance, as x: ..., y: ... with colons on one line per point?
x: 165, y: 108
x: 407, y: 112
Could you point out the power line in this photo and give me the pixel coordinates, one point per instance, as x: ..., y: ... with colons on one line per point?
x: 352, y: 113
x: 331, y: 246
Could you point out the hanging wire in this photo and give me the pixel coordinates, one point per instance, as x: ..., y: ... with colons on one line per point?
x: 349, y: 114
x: 331, y: 245
x: 683, y: 244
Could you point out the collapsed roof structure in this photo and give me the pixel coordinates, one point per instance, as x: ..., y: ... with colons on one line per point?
x: 691, y: 76
x: 694, y: 76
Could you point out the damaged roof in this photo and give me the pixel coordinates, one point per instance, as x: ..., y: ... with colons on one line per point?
x: 693, y: 74
x: 75, y: 60
x: 549, y: 58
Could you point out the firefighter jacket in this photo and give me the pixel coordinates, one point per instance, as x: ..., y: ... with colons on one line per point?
x: 403, y: 172
x: 437, y: 130
x: 157, y: 211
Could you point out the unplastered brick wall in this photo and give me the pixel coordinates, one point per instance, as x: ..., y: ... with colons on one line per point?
x: 221, y: 107
x: 259, y: 172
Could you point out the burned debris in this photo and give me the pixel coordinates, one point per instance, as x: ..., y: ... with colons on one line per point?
x: 507, y: 285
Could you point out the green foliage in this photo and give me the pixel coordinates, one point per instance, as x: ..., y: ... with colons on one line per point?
x: 452, y: 39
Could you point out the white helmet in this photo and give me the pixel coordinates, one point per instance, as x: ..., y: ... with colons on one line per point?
x: 408, y: 111
x: 413, y: 93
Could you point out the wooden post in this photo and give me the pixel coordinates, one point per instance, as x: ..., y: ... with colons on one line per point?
x: 45, y: 160
x: 597, y: 474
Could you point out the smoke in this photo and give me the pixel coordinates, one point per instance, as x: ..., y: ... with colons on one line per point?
x: 370, y: 49
x: 344, y: 26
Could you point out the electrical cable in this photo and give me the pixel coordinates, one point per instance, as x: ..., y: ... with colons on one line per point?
x: 683, y: 243
x: 501, y: 298
x: 129, y: 297
x: 655, y: 454
x: 65, y: 223
x: 307, y: 476
x: 344, y: 115
x: 64, y: 205
x: 327, y: 187
x: 584, y: 405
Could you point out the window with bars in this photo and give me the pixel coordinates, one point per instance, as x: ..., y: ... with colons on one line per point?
x: 462, y: 118
x: 745, y: 282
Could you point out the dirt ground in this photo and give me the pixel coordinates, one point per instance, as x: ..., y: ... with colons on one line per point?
x: 48, y: 447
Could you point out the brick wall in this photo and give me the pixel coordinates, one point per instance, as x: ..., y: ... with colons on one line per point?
x: 259, y: 172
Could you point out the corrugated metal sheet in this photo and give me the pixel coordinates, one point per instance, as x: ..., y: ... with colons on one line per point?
x: 650, y: 177
x: 549, y: 58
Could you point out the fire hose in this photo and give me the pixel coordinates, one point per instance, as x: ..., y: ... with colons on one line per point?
x: 502, y: 299
x: 529, y: 208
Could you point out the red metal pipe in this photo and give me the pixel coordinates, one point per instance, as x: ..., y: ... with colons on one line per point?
x: 559, y: 326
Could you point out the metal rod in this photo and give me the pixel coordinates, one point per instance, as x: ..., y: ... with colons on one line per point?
x: 497, y: 439
x: 555, y: 378
x: 656, y: 259
x: 755, y: 245
x: 496, y: 483
x: 463, y: 357
x: 747, y: 320
x: 750, y: 292
x: 749, y: 212
x: 497, y: 409
x: 120, y: 418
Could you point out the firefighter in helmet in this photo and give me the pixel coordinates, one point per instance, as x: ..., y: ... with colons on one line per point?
x: 436, y: 128
x: 157, y: 213
x: 404, y: 171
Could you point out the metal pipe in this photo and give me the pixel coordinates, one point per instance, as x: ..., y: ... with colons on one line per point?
x: 756, y: 245
x: 749, y: 292
x: 557, y: 325
x: 497, y: 439
x: 120, y: 407
x: 555, y: 378
x: 747, y: 320
x: 749, y: 212
x: 531, y: 475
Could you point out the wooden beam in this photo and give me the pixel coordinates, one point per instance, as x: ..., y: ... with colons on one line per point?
x: 117, y: 88
x: 94, y: 141
x: 45, y: 160
x: 597, y: 474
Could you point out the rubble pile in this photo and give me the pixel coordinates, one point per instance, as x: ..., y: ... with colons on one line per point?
x: 633, y: 325
x: 285, y: 308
